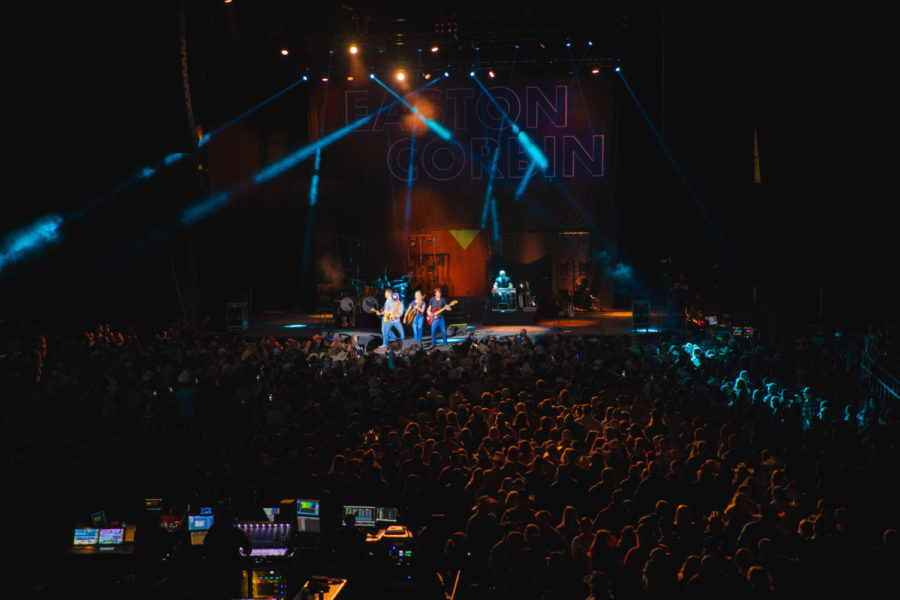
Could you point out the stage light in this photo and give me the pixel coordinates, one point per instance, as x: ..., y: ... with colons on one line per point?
x: 354, y: 49
x: 371, y: 75
x: 324, y: 80
x: 516, y: 46
x: 491, y: 74
x: 427, y: 76
x: 284, y: 52
x: 595, y: 71
x: 227, y: 1
x: 446, y: 74
x: 471, y: 73
x: 434, y: 49
x: 350, y: 78
x: 590, y: 43
x: 400, y: 75
x: 618, y: 69
x: 305, y: 78
x: 568, y: 44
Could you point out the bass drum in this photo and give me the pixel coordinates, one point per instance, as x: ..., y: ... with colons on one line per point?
x: 369, y: 304
x: 347, y: 304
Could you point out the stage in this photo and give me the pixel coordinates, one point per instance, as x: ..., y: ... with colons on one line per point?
x: 594, y: 324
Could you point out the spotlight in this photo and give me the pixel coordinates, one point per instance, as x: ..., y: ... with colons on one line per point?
x: 595, y: 71
x: 354, y: 49
x: 491, y: 74
x: 350, y: 78
x: 434, y: 49
x: 331, y: 52
x: 471, y: 73
x: 284, y: 52
x: 427, y: 75
x: 305, y: 78
x: 618, y: 69
x: 590, y: 43
x: 446, y: 74
x: 568, y: 44
x: 227, y: 1
x: 371, y: 75
x: 400, y: 75
x: 516, y: 46
x: 325, y: 80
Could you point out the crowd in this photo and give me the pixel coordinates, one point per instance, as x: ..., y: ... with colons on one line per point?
x: 561, y: 468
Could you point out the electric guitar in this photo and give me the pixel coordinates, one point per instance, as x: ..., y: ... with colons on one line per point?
x: 432, y: 316
x: 388, y: 316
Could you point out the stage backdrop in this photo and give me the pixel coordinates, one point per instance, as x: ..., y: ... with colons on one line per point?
x: 393, y: 178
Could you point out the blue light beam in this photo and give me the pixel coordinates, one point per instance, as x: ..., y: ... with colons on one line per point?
x: 530, y: 148
x: 524, y: 183
x: 295, y: 158
x: 19, y: 244
x: 441, y: 131
x: 692, y: 193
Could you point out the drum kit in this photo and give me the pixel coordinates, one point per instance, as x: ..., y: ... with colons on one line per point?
x: 367, y: 297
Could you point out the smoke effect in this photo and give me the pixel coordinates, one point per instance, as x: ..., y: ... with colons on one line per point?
x: 331, y: 271
x: 617, y: 271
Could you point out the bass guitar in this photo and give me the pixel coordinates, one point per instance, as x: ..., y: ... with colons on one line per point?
x: 432, y: 316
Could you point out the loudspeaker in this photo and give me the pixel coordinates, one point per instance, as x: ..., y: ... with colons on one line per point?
x: 236, y: 317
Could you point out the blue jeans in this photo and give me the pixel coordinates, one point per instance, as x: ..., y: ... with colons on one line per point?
x: 386, y: 330
x: 439, y: 322
x: 417, y: 326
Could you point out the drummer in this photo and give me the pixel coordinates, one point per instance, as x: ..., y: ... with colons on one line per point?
x: 502, y: 282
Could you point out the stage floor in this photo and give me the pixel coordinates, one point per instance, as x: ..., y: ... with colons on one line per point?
x: 301, y: 325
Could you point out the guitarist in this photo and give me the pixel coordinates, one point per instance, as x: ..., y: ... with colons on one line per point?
x: 415, y: 315
x: 390, y: 313
x: 436, y: 308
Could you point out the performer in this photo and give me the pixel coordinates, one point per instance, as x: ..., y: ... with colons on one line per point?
x: 436, y: 308
x: 502, y: 282
x: 390, y: 314
x: 415, y: 314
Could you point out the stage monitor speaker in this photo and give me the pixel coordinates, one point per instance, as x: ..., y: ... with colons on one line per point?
x: 373, y: 343
x: 395, y: 345
x: 640, y: 314
x: 236, y: 316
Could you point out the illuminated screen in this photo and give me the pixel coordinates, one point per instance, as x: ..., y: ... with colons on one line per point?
x: 365, y: 515
x: 169, y: 522
x: 308, y: 525
x: 112, y: 537
x: 86, y: 537
x: 201, y: 523
x: 308, y: 508
x: 206, y: 510
x: 271, y: 513
x: 153, y: 504
x: 386, y: 513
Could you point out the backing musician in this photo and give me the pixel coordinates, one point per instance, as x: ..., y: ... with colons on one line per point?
x: 503, y: 282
